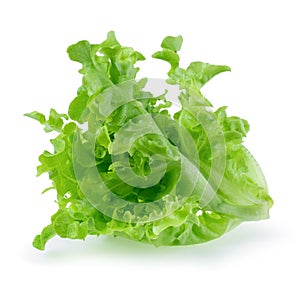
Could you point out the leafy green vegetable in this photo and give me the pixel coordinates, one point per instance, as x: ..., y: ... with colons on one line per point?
x: 124, y: 164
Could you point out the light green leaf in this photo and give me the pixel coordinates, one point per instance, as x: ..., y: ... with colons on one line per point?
x: 169, y: 56
x: 40, y: 240
x: 201, y: 72
x: 37, y: 116
x: 78, y: 106
x: 172, y: 43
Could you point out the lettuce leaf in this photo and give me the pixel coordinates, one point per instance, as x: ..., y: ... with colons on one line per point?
x: 123, y: 164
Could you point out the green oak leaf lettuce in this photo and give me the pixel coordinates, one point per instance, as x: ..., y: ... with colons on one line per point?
x: 185, y: 179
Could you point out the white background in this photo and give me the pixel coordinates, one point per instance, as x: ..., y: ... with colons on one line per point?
x: 259, y: 40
